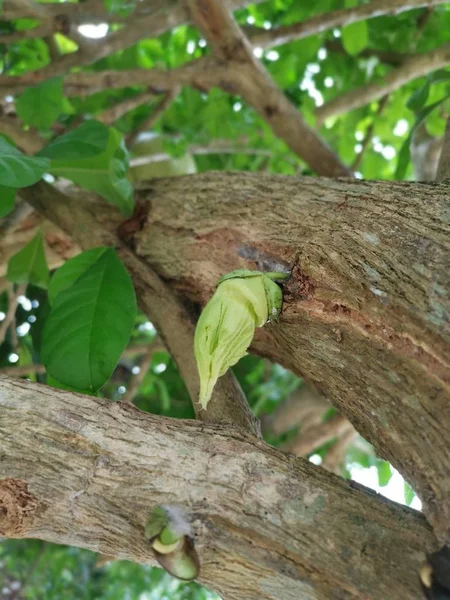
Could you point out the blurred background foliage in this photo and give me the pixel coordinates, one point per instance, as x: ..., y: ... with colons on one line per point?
x: 218, y: 131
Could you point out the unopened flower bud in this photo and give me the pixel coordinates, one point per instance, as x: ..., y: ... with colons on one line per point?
x: 243, y: 301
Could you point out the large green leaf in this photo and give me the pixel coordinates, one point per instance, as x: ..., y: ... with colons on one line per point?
x: 94, y: 156
x: 40, y: 105
x: 89, y: 325
x: 29, y: 264
x: 355, y: 37
x: 7, y: 196
x: 72, y: 270
x: 18, y: 170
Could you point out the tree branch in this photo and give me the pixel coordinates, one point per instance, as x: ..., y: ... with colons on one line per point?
x: 121, y: 108
x: 370, y: 285
x: 253, y: 83
x: 338, y: 18
x: 267, y: 525
x: 369, y: 133
x: 358, y: 295
x: 11, y: 312
x: 148, y: 123
x: 415, y: 66
x: 317, y: 435
x: 173, y: 320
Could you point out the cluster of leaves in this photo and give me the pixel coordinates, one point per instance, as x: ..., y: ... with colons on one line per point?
x: 92, y: 156
x: 37, y: 569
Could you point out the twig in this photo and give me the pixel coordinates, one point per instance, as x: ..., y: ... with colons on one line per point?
x: 9, y: 319
x: 118, y: 110
x: 22, y: 370
x: 134, y: 350
x: 443, y: 172
x: 200, y: 151
x: 148, y: 123
x: 136, y: 380
x: 414, y: 67
x: 337, y: 18
x: 389, y: 57
x: 249, y: 79
x: 369, y: 133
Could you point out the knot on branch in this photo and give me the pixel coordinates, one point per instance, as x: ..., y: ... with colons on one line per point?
x: 17, y: 507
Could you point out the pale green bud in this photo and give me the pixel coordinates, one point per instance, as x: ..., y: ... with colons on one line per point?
x: 243, y: 301
x: 170, y: 535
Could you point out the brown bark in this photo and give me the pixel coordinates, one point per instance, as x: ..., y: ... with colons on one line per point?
x: 365, y: 315
x: 267, y: 525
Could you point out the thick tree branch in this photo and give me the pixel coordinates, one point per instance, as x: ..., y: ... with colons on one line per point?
x: 370, y: 286
x: 173, y: 320
x: 415, y: 66
x: 154, y: 20
x: 254, y: 84
x: 267, y: 525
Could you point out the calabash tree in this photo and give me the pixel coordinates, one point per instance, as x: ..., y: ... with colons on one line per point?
x: 149, y: 150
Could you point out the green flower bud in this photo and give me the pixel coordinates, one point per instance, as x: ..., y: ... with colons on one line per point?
x: 169, y: 532
x: 243, y: 301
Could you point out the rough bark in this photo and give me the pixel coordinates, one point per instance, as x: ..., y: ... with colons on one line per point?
x: 83, y: 471
x: 366, y: 312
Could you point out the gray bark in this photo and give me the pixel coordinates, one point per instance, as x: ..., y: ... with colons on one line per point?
x: 84, y: 471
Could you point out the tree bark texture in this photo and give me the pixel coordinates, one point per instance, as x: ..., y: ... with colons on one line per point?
x: 366, y: 315
x: 366, y: 312
x: 84, y: 471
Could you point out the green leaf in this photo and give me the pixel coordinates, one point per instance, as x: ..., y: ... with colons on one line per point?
x: 355, y: 37
x: 71, y: 271
x: 409, y: 493
x: 89, y: 325
x: 7, y: 197
x: 52, y: 382
x: 94, y: 156
x: 40, y: 105
x: 18, y: 170
x: 384, y: 472
x: 29, y: 265
x: 419, y: 98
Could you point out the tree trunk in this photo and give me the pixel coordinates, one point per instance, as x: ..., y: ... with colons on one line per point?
x: 84, y: 471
